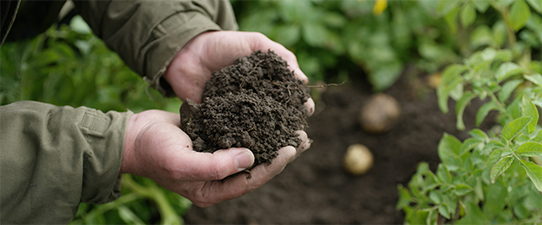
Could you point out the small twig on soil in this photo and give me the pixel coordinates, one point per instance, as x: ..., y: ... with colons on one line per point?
x: 255, y: 66
x: 325, y: 85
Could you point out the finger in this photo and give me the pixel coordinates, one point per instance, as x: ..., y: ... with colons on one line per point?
x: 305, y: 142
x: 240, y: 184
x: 300, y: 75
x: 309, y: 105
x: 200, y: 166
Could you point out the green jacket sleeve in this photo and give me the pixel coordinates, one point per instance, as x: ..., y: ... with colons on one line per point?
x: 53, y: 158
x: 147, y: 34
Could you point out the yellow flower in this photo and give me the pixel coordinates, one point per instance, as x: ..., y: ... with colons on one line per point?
x: 379, y: 7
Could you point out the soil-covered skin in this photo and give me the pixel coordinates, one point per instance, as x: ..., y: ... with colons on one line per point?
x: 255, y: 103
x: 316, y: 188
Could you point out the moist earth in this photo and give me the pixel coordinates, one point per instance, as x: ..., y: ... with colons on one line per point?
x: 316, y: 189
x: 256, y: 103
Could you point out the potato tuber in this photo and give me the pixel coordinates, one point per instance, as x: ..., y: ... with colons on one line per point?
x: 358, y: 159
x: 380, y: 114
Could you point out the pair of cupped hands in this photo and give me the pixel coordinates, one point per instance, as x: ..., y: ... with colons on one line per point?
x: 155, y: 146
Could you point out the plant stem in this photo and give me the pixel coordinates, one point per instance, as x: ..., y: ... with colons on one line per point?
x: 501, y: 106
x: 509, y: 31
x: 168, y: 214
x: 112, y: 205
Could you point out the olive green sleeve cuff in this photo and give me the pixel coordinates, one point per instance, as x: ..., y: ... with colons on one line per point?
x: 54, y: 158
x: 104, y: 132
x: 148, y: 34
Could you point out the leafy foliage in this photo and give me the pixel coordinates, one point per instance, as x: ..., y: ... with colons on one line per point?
x: 68, y: 65
x: 379, y: 36
x: 495, y: 177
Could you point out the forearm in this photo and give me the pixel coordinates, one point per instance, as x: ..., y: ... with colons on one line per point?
x: 53, y: 158
x: 147, y: 34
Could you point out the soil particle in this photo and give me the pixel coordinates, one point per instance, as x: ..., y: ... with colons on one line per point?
x: 256, y: 103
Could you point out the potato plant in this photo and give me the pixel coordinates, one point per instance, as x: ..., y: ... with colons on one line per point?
x: 495, y: 176
x: 330, y: 38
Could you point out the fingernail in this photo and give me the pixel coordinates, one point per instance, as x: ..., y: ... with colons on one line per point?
x: 244, y: 160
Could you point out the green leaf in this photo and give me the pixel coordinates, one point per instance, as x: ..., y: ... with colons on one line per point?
x: 522, y: 138
x: 494, y: 158
x: 514, y: 109
x: 386, y: 75
x: 444, y: 7
x: 495, y: 196
x: 536, y: 4
x: 502, y: 3
x: 507, y: 89
x: 435, y: 196
x: 456, y: 90
x: 530, y: 149
x: 535, y: 78
x: 79, y: 25
x: 481, y: 6
x: 443, y: 174
x: 451, y: 18
x: 506, y: 152
x: 537, y: 137
x: 478, y: 134
x: 488, y: 54
x: 448, y: 151
x: 450, y: 79
x: 519, y: 14
x: 468, y: 144
x: 499, y: 35
x: 533, y: 201
x: 500, y: 167
x: 534, y: 172
x: 521, y: 212
x: 503, y: 55
x: 287, y: 35
x: 484, y: 110
x: 443, y: 210
x: 416, y: 216
x: 481, y: 36
x: 460, y: 108
x: 451, y: 203
x: 512, y: 129
x: 528, y: 109
x: 507, y: 70
x: 473, y: 215
x: 404, y: 197
x: 462, y: 189
x: 315, y: 34
x: 468, y: 15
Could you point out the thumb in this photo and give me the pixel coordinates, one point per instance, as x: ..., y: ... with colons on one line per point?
x: 220, y: 164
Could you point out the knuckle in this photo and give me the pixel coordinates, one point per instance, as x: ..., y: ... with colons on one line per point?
x: 216, y: 172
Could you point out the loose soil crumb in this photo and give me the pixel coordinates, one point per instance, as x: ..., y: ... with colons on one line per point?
x: 255, y: 103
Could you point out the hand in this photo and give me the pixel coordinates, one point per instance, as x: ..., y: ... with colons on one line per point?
x: 192, y: 66
x: 155, y: 147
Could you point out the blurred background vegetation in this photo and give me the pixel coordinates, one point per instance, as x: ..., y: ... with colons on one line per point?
x: 333, y: 40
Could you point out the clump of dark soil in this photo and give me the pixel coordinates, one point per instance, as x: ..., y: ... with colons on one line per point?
x: 255, y: 103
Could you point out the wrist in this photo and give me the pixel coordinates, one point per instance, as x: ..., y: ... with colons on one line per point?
x: 128, y: 147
